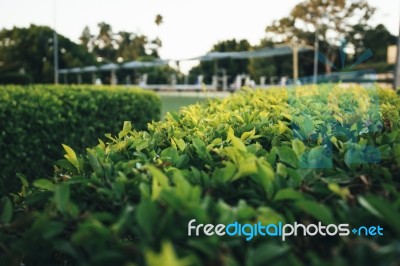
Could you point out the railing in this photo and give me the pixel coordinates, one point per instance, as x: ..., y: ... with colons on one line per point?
x: 359, y: 76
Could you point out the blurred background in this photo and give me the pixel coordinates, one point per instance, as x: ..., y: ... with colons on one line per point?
x: 184, y: 45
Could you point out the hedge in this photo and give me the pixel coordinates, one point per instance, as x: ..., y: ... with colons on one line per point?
x: 35, y: 121
x: 255, y: 156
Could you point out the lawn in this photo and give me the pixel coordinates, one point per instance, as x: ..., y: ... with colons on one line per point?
x: 175, y: 102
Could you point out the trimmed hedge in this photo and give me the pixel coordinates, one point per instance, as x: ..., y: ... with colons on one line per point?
x: 35, y: 121
x: 129, y: 201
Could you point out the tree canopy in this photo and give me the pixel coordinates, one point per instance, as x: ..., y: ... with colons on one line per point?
x: 29, y: 51
x: 332, y: 21
x: 119, y: 46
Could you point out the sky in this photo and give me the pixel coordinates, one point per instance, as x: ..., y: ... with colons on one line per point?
x: 190, y: 27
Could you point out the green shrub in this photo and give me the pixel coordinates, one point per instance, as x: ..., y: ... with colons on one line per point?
x: 129, y: 201
x: 35, y: 121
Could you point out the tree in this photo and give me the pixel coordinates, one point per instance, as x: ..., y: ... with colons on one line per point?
x: 104, y: 44
x: 131, y: 46
x: 330, y: 20
x: 30, y: 51
x: 368, y: 39
x: 86, y: 37
x: 156, y: 43
x: 124, y: 45
x: 159, y: 20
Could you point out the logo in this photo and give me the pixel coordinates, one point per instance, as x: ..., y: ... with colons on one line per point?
x: 280, y: 230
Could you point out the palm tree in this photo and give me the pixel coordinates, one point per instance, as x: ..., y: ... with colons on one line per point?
x: 158, y: 20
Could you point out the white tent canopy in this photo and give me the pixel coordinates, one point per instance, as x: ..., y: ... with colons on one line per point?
x: 75, y: 70
x: 109, y: 67
x: 277, y: 50
x: 113, y: 66
x: 263, y: 52
x: 90, y: 69
x: 140, y: 64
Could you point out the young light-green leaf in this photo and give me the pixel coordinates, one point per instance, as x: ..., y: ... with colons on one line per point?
x: 71, y: 157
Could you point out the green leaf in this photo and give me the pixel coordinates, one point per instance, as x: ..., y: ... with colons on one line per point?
x: 236, y: 142
x: 146, y: 216
x: 171, y: 155
x: 281, y: 169
x: 318, y: 211
x: 125, y: 130
x: 201, y: 149
x: 248, y: 134
x: 258, y: 256
x: 226, y: 173
x: 71, y: 157
x: 308, y: 125
x: 160, y: 181
x: 266, y: 177
x: 65, y: 164
x: 24, y: 182
x: 289, y: 194
x: 44, y: 184
x: 180, y: 143
x: 382, y: 209
x: 396, y: 151
x: 287, y: 155
x: 94, y: 162
x: 61, y: 196
x: 166, y: 257
x: 6, y: 211
x: 342, y: 192
x: 298, y: 147
x: 246, y: 167
x: 317, y: 159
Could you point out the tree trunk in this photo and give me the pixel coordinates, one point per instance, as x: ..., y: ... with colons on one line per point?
x: 328, y: 68
x: 331, y: 59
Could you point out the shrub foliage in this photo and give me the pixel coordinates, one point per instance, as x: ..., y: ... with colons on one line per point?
x: 35, y: 121
x: 129, y: 199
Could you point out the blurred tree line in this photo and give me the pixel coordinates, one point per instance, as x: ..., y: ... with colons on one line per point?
x: 26, y: 54
x: 335, y: 24
x: 117, y: 47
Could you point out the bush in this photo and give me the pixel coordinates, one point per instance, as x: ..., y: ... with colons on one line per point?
x: 35, y: 121
x: 238, y: 159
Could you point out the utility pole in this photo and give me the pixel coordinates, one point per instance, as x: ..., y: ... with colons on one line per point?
x: 295, y: 50
x: 55, y: 46
x: 396, y: 83
x: 316, y: 47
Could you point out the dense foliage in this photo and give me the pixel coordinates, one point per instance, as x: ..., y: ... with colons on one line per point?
x: 247, y: 158
x: 35, y: 121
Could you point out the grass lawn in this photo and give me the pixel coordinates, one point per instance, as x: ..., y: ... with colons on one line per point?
x: 175, y: 102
